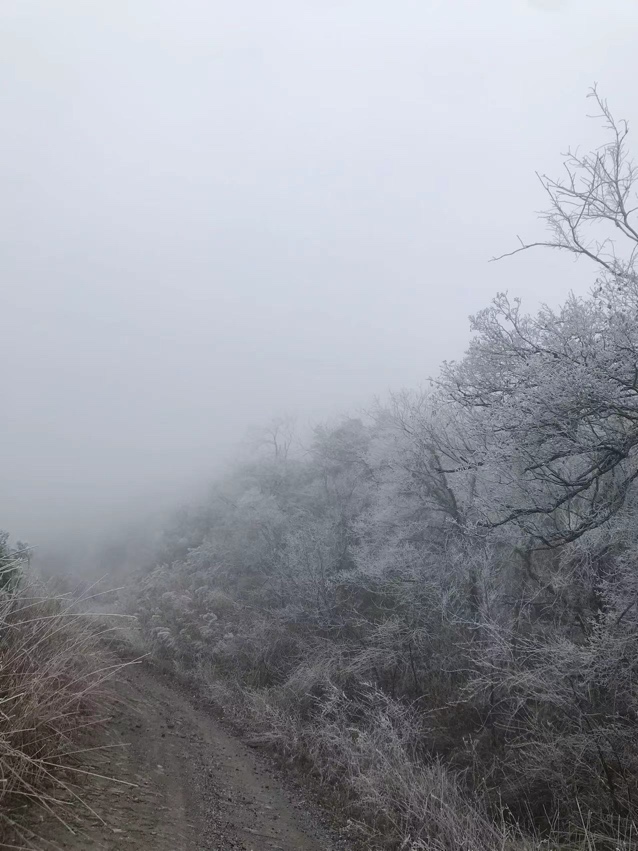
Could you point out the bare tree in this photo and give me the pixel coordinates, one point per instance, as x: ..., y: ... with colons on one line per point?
x: 596, y: 192
x: 277, y: 437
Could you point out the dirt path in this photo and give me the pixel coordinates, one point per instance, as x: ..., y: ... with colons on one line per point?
x: 194, y: 787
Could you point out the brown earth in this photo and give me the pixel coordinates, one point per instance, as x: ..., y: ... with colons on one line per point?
x: 184, y: 784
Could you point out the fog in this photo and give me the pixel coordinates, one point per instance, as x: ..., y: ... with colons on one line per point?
x: 214, y: 213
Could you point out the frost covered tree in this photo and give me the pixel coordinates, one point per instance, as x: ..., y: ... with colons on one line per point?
x: 455, y: 570
x: 551, y: 411
x: 550, y: 402
x: 592, y: 207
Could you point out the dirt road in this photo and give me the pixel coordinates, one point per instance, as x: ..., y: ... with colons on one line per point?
x: 192, y: 785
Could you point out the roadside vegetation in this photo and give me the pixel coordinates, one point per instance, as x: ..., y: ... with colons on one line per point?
x: 433, y: 607
x: 53, y: 699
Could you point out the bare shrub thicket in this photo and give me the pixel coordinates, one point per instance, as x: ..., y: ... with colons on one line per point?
x: 434, y: 608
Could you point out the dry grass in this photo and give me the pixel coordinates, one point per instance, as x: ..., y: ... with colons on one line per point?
x: 53, y: 695
x: 365, y: 750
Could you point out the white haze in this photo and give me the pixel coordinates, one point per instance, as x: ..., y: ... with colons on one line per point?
x: 213, y: 213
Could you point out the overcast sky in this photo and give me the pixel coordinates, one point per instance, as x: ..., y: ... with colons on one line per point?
x: 215, y: 212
